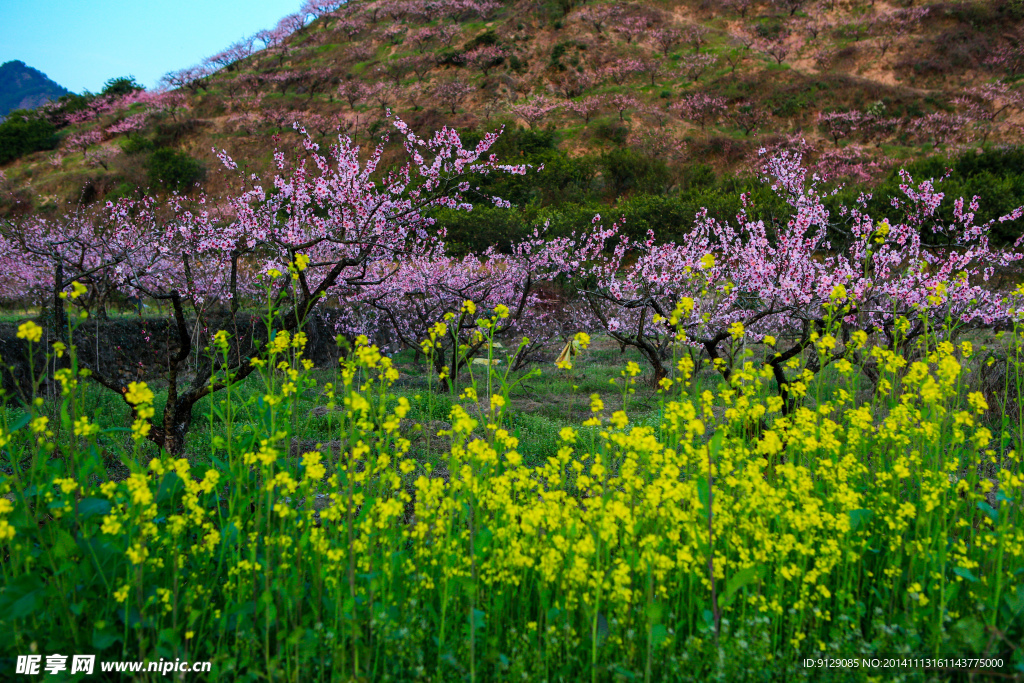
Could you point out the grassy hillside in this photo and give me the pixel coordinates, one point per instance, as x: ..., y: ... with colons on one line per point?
x: 653, y: 109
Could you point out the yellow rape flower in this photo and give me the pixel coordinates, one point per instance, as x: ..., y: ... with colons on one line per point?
x: 30, y: 331
x: 138, y: 393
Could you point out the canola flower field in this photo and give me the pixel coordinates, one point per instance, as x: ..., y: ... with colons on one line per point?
x: 723, y: 536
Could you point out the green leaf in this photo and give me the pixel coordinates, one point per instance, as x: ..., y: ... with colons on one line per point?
x: 988, y: 510
x: 602, y: 628
x: 479, y: 619
x: 19, y: 597
x: 738, y: 581
x: 703, y: 494
x: 655, y: 610
x: 483, y: 539
x: 965, y: 573
x: 102, y: 639
x: 715, y: 444
x: 659, y: 633
x: 971, y: 631
x: 860, y: 518
x: 1014, y: 604
x: 170, y: 484
x: 64, y: 544
x: 20, y: 423
x: 90, y: 507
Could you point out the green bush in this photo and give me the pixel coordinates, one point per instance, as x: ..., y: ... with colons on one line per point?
x: 137, y: 144
x: 24, y: 132
x: 174, y: 171
x: 626, y: 171
x: 488, y: 37
x: 614, y: 132
x: 449, y: 57
x: 484, y: 226
x: 122, y: 85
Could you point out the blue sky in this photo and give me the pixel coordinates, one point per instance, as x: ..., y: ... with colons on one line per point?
x: 82, y: 43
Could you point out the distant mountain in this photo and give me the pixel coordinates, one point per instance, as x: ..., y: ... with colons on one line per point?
x: 22, y: 87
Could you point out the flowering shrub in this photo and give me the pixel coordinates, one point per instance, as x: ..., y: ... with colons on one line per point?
x: 643, y: 548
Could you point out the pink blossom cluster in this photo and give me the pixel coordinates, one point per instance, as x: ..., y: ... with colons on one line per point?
x: 128, y: 124
x: 586, y: 107
x: 101, y: 156
x: 535, y: 110
x: 485, y: 57
x: 700, y: 107
x: 82, y: 141
x: 634, y: 27
x: 621, y: 70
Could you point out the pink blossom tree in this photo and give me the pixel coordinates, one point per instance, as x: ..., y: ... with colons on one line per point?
x: 941, y: 128
x: 535, y: 111
x: 452, y: 93
x: 748, y: 117
x: 985, y: 104
x: 80, y: 142
x: 416, y: 293
x: 790, y: 7
x: 486, y: 57
x: 599, y: 16
x: 695, y: 35
x: 419, y: 65
x: 694, y: 66
x: 840, y: 124
x: 102, y: 156
x: 779, y: 46
x: 315, y: 9
x: 700, y: 107
x: 666, y: 39
x: 1008, y: 56
x: 351, y: 26
x: 623, y: 103
x: 446, y: 33
x: 651, y: 68
x: 729, y: 286
x: 741, y: 7
x: 128, y: 124
x: 317, y: 80
x: 621, y: 70
x: 421, y: 38
x: 633, y: 27
x: 852, y: 162
x: 191, y: 78
x: 229, y: 57
x: 586, y: 108
x: 891, y: 27
x: 353, y: 92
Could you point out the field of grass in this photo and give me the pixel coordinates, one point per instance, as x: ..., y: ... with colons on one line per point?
x: 372, y: 522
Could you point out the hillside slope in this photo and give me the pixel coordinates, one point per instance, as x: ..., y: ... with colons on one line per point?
x: 618, y: 99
